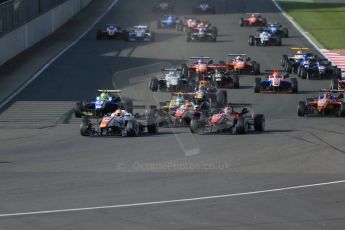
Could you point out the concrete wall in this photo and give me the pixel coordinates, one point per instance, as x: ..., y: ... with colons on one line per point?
x: 27, y: 35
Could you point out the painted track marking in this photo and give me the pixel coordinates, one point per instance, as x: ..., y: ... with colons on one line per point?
x: 43, y: 68
x: 162, y: 202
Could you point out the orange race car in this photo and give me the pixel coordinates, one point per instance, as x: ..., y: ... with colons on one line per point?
x: 241, y: 63
x: 325, y: 104
x: 197, y: 67
x: 253, y: 19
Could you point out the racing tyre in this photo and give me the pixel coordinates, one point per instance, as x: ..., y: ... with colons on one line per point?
x: 152, y: 125
x: 288, y: 67
x: 194, y: 125
x: 154, y: 84
x: 294, y: 85
x: 334, y: 83
x: 256, y: 68
x: 132, y: 128
x: 188, y: 37
x: 251, y: 40
x: 215, y: 30
x: 301, y: 108
x: 257, y: 85
x: 299, y: 71
x: 236, y: 81
x: 338, y: 73
x: 342, y: 110
x: 78, y: 109
x: 284, y: 59
x: 241, y: 22
x: 242, y: 126
x: 304, y: 73
x: 285, y: 33
x: 85, y: 127
x: 259, y: 122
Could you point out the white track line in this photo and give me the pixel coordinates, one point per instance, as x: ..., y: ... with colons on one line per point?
x: 43, y: 68
x: 162, y: 202
x: 298, y: 27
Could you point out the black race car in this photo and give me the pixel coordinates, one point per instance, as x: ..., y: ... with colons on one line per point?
x: 204, y: 7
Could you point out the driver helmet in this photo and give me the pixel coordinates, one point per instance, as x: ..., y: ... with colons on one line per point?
x: 299, y: 52
x: 238, y: 58
x: 228, y: 109
x: 275, y: 73
x: 103, y: 96
x: 179, y: 100
x: 188, y: 103
x: 200, y: 62
x: 199, y: 94
x: 118, y: 113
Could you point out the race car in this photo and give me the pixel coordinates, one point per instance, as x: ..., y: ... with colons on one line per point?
x: 275, y: 29
x: 106, y: 101
x: 163, y: 7
x: 111, y: 31
x: 197, y: 67
x: 276, y: 83
x: 171, y: 79
x: 327, y: 103
x: 168, y: 21
x: 317, y: 68
x: 228, y: 120
x: 253, y: 19
x: 187, y: 23
x: 204, y: 7
x: 225, y: 78
x: 140, y: 33
x: 264, y: 39
x: 291, y: 63
x: 121, y: 123
x: 202, y: 33
x: 242, y: 64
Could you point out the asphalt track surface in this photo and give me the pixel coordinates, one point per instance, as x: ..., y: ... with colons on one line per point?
x: 46, y: 165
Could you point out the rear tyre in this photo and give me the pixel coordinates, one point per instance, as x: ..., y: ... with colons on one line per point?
x: 334, y: 83
x: 294, y: 85
x: 236, y: 81
x: 259, y: 122
x: 251, y: 40
x: 241, y: 22
x: 152, y: 125
x: 257, y: 85
x: 154, y: 84
x: 85, y: 127
x: 256, y: 68
x: 242, y: 126
x: 342, y: 110
x: 284, y: 59
x: 194, y: 125
x: 78, y: 109
x: 301, y: 108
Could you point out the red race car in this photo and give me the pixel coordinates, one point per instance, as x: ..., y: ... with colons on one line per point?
x: 228, y: 120
x: 253, y: 19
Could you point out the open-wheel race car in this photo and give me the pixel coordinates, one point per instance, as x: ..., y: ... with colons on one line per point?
x: 106, y: 101
x: 227, y: 120
x: 168, y: 21
x: 299, y: 55
x: 264, y: 39
x: 276, y: 83
x: 202, y: 33
x: 275, y: 29
x: 338, y: 82
x: 163, y: 7
x: 140, y: 33
x: 314, y: 67
x: 253, y: 19
x: 242, y: 64
x: 204, y: 7
x: 121, y: 123
x: 170, y: 79
x: 329, y: 102
x: 225, y: 78
x: 111, y: 31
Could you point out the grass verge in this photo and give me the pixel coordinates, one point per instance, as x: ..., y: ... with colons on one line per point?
x: 324, y: 21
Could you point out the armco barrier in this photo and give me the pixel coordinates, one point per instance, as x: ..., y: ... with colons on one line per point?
x: 38, y: 28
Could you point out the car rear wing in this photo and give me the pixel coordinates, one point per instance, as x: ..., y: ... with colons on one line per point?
x: 171, y: 69
x: 109, y: 90
x: 332, y: 90
x: 231, y: 55
x: 200, y: 57
x: 299, y: 49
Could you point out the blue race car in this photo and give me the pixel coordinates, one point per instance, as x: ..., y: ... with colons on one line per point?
x: 168, y: 21
x: 107, y: 101
x: 275, y: 29
x: 276, y: 83
x: 292, y: 63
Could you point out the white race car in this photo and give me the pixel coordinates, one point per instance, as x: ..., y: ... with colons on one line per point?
x: 140, y: 33
x: 170, y: 80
